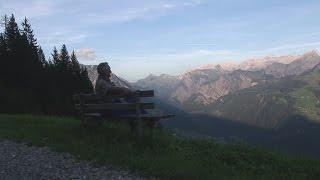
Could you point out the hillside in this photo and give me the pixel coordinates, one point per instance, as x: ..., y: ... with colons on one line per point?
x: 164, y: 156
x: 163, y: 85
x: 270, y: 104
x: 280, y: 88
x: 200, y: 87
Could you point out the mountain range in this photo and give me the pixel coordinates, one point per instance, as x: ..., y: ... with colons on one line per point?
x: 261, y: 91
x: 197, y: 88
x: 270, y: 101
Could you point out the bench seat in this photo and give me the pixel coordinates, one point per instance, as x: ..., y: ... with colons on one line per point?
x: 90, y: 107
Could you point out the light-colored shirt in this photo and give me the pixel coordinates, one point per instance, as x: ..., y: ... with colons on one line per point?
x: 102, y: 86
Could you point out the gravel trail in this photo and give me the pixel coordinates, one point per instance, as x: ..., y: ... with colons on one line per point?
x: 19, y: 161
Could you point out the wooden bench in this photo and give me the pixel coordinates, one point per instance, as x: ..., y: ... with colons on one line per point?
x: 91, y: 108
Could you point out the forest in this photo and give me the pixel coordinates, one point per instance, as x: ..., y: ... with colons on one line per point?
x: 31, y: 83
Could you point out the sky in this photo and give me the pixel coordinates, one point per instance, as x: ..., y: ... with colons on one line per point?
x: 140, y: 37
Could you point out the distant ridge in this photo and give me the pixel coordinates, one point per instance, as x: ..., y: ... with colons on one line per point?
x: 199, y: 87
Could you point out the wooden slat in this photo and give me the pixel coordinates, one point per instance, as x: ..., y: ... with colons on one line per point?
x: 147, y: 116
x: 106, y: 106
x: 86, y: 97
x: 149, y: 93
x: 94, y: 97
x: 92, y: 114
x: 129, y: 117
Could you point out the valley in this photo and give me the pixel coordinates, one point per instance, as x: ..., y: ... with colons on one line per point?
x: 271, y: 102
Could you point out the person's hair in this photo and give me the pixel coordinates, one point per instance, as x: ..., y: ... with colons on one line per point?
x: 102, y: 67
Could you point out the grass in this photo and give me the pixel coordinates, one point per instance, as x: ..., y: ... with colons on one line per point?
x: 305, y: 98
x: 164, y: 156
x: 306, y: 103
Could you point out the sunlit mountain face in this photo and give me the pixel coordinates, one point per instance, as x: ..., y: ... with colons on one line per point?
x: 273, y: 101
x: 262, y: 92
x: 205, y: 85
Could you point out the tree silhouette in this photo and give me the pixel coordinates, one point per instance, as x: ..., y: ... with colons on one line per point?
x: 31, y: 84
x: 55, y: 56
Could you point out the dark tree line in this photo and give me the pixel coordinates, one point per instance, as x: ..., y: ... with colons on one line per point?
x: 31, y: 84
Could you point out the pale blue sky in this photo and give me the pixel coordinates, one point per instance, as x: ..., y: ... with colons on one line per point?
x: 139, y: 37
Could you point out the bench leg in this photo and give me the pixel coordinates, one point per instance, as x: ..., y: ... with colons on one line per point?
x: 133, y: 126
x: 139, y: 120
x: 91, y: 122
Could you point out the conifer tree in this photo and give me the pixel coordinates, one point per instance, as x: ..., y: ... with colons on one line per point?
x: 55, y: 56
x: 11, y: 33
x: 86, y: 84
x: 64, y: 58
x: 75, y: 64
x: 3, y: 46
x: 42, y: 57
x: 3, y: 56
x: 33, y: 45
x: 29, y: 32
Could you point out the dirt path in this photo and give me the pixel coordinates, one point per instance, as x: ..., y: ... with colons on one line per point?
x: 18, y: 161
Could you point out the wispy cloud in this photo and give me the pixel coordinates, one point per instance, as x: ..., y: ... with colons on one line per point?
x: 30, y: 9
x: 135, y: 11
x: 286, y: 47
x: 193, y: 55
x: 86, y: 54
x: 89, y: 56
x: 56, y: 38
x: 196, y: 55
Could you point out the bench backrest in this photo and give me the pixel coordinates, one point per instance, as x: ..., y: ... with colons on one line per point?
x: 95, y: 97
x: 92, y: 102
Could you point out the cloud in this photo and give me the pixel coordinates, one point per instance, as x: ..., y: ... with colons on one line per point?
x: 196, y: 55
x: 57, y: 37
x: 86, y: 54
x: 286, y: 47
x: 168, y: 63
x: 138, y: 10
x: 30, y: 9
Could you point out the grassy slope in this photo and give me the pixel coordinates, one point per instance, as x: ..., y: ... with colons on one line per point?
x: 263, y: 105
x: 165, y: 156
x: 269, y: 105
x: 306, y: 102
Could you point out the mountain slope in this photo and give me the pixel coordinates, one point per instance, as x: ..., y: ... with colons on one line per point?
x: 297, y: 67
x: 201, y: 88
x: 269, y: 105
x: 257, y: 64
x: 197, y: 88
x: 163, y: 85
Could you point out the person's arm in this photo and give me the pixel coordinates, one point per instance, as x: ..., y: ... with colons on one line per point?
x: 123, y: 91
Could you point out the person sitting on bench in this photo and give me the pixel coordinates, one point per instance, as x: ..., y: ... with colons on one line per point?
x: 105, y: 87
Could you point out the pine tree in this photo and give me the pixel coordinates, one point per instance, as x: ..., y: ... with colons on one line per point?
x: 11, y: 33
x: 13, y: 45
x: 3, y: 46
x: 55, y: 56
x: 64, y: 58
x: 86, y: 84
x: 75, y: 64
x: 42, y: 57
x: 3, y: 56
x: 29, y: 32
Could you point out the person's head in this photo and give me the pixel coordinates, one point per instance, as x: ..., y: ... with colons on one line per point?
x: 104, y: 69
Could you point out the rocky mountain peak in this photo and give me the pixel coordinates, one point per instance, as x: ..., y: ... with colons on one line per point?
x: 312, y: 53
